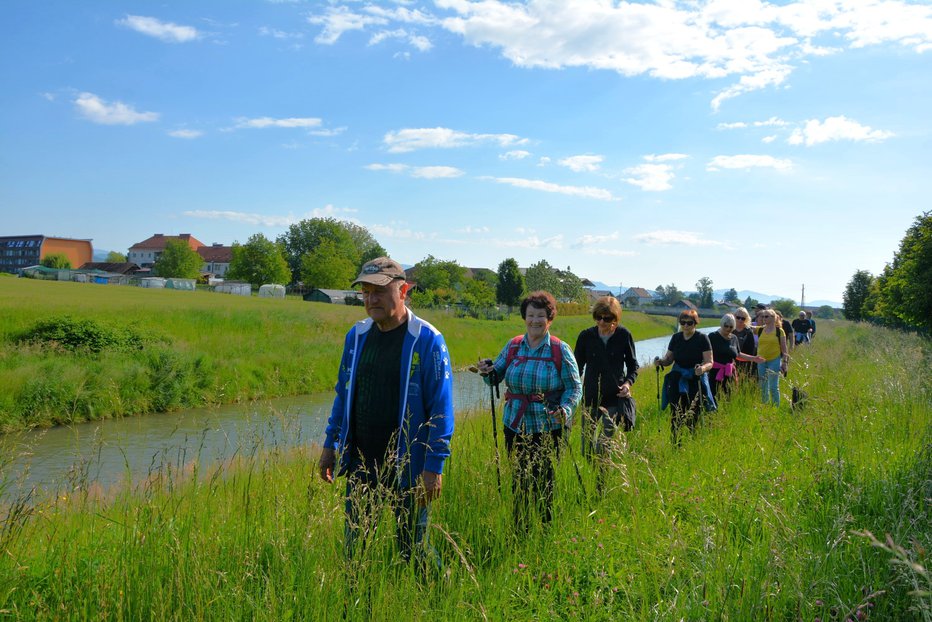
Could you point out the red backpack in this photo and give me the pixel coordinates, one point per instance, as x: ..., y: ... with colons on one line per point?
x: 556, y: 354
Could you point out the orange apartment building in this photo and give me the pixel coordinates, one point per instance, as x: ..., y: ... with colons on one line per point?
x: 21, y: 251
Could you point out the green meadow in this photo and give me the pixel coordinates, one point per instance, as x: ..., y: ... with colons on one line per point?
x: 764, y: 513
x: 194, y: 348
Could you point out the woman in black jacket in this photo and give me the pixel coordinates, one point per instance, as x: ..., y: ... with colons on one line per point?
x: 606, y: 353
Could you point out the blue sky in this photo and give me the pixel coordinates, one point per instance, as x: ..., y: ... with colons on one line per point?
x: 764, y: 145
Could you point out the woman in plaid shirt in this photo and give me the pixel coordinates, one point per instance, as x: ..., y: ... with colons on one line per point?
x: 543, y: 390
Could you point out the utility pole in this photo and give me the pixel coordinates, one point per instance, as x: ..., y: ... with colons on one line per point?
x: 802, y: 301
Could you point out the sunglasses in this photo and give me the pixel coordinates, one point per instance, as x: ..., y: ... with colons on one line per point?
x: 608, y: 319
x: 741, y: 319
x: 686, y: 322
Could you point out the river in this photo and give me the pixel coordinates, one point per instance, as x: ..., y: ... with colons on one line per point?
x: 108, y: 452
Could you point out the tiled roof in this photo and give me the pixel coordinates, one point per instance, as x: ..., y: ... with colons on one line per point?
x: 157, y: 242
x: 216, y: 254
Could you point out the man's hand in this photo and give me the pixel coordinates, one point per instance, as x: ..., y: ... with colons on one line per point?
x: 328, y: 458
x: 431, y: 483
x: 624, y: 390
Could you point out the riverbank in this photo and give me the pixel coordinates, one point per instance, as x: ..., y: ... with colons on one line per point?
x: 763, y: 514
x: 197, y: 349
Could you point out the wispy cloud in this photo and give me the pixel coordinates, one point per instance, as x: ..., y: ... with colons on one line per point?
x: 517, y: 154
x: 582, y: 163
x: 421, y: 172
x: 436, y: 172
x: 609, y: 252
x: 667, y: 237
x: 747, y: 162
x: 95, y: 109
x: 265, y: 31
x: 754, y: 44
x: 164, y: 31
x: 188, y: 134
x: 411, y: 139
x: 474, y: 230
x: 588, y: 192
x: 265, y: 122
x: 398, y: 231
x: 650, y: 177
x: 530, y: 241
x: 419, y: 42
x: 835, y: 128
x: 590, y: 240
x: 771, y: 122
x: 268, y: 220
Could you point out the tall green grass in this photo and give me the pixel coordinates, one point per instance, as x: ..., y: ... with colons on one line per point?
x: 200, y: 349
x: 763, y: 514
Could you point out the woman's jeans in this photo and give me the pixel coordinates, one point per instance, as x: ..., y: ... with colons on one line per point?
x: 769, y: 374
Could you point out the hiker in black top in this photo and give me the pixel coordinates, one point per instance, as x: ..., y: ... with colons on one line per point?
x: 747, y: 344
x: 374, y: 419
x: 606, y: 352
x: 725, y: 354
x: 686, y: 385
x: 802, y: 328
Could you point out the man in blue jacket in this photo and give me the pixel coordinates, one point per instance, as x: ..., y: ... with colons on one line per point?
x: 392, y: 418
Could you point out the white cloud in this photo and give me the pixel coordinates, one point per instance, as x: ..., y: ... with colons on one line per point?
x: 589, y: 240
x: 650, y: 177
x: 265, y: 31
x: 394, y: 168
x: 532, y: 241
x: 667, y: 237
x: 582, y: 163
x: 768, y: 139
x: 267, y: 220
x: 331, y: 132
x: 422, y: 172
x: 544, y: 161
x: 410, y: 139
x: 517, y: 154
x: 189, y: 134
x: 97, y: 110
x: 165, y: 31
x: 747, y: 162
x: 397, y: 231
x: 48, y: 96
x: 340, y: 19
x: 436, y: 172
x: 264, y: 122
x: 610, y: 252
x: 588, y: 192
x: 771, y: 122
x: 474, y: 230
x: 420, y: 42
x: 835, y: 128
x: 752, y: 43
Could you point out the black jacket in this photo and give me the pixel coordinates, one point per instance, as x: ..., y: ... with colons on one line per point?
x: 606, y: 365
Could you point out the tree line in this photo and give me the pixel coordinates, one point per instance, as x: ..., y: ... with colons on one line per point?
x: 901, y: 295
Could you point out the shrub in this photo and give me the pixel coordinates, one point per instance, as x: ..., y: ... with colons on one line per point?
x: 86, y: 334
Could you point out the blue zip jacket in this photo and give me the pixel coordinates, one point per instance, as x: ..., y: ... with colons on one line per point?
x: 425, y: 412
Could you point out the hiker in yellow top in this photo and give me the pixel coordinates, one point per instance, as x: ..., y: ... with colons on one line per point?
x: 771, y: 345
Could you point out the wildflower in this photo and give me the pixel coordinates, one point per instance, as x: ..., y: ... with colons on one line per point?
x: 522, y: 566
x: 818, y: 602
x: 601, y: 546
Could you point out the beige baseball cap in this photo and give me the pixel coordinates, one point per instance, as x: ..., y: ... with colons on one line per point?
x: 380, y: 271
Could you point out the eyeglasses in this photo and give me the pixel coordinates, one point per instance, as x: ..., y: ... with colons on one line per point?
x: 608, y: 319
x: 726, y: 327
x: 741, y: 319
x: 686, y: 322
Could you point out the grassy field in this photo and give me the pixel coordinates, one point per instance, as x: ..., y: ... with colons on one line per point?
x: 762, y: 514
x: 199, y: 349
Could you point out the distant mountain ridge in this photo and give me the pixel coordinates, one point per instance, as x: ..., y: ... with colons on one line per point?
x: 742, y: 294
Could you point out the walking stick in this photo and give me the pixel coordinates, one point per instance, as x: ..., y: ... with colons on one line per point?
x: 493, y: 393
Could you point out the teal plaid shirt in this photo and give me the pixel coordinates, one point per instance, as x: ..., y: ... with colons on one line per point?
x: 539, y: 376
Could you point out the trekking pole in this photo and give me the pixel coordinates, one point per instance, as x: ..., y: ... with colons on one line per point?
x: 493, y: 393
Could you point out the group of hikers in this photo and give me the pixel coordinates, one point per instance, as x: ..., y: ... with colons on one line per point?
x: 392, y: 419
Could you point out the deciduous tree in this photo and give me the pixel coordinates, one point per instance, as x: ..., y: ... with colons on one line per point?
x: 58, y: 261
x: 510, y: 287
x: 905, y: 286
x: 178, y: 260
x: 259, y: 261
x: 856, y: 294
x: 542, y: 276
x: 326, y: 267
x: 704, y: 291
x: 115, y: 257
